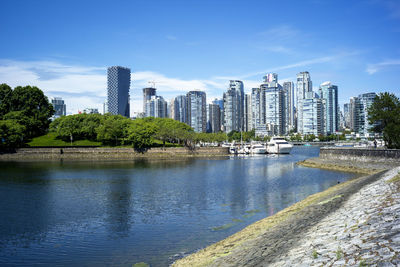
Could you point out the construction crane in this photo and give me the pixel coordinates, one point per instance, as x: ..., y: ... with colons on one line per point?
x: 153, y: 83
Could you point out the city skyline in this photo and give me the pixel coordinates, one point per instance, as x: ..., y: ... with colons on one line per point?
x: 193, y: 46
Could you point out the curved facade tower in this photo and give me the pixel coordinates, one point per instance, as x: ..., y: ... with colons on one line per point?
x: 118, y: 84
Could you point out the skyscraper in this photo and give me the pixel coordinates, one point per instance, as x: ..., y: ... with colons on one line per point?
x: 156, y: 107
x: 257, y: 114
x: 220, y: 103
x: 359, y: 113
x: 147, y: 94
x: 197, y: 110
x: 247, y: 113
x: 312, y: 114
x: 303, y: 86
x: 234, y: 106
x: 329, y: 95
x: 214, y: 116
x: 346, y: 114
x: 118, y: 84
x: 60, y: 108
x: 288, y: 89
x: 180, y: 108
x: 274, y: 104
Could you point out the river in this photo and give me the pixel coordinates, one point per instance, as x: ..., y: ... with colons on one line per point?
x: 154, y: 211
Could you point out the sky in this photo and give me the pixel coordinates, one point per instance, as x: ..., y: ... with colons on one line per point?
x: 65, y: 47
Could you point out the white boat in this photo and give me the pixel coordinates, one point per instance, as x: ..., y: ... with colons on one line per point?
x: 258, y: 148
x: 278, y: 145
x: 233, y: 150
x: 242, y: 150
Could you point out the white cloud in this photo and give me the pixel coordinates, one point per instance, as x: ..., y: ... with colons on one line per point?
x: 85, y: 86
x: 80, y: 86
x: 373, y: 68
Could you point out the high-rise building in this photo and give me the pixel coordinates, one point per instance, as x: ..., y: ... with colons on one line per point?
x: 179, y: 109
x: 231, y: 110
x: 234, y: 106
x: 359, y: 113
x: 197, y: 110
x: 105, y: 107
x: 312, y: 115
x: 60, y: 109
x: 147, y: 94
x: 214, y: 116
x: 273, y: 104
x: 328, y: 93
x: 346, y: 114
x: 156, y: 107
x: 288, y: 89
x: 303, y: 86
x: 247, y: 113
x: 257, y: 113
x: 220, y: 103
x: 118, y: 84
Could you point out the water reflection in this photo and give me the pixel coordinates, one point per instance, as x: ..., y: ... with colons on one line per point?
x: 118, y: 209
x: 119, y: 213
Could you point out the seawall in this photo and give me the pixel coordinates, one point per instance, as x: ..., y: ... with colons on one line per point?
x: 360, y: 160
x: 104, y: 153
x: 359, y: 154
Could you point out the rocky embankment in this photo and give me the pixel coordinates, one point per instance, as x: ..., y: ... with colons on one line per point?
x: 109, y: 153
x: 356, y: 223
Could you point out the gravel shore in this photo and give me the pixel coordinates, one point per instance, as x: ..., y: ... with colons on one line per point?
x: 356, y: 223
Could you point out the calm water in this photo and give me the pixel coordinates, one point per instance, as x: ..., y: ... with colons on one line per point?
x: 121, y: 213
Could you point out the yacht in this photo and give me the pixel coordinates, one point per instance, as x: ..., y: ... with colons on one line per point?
x: 278, y: 145
x: 233, y: 150
x: 257, y: 148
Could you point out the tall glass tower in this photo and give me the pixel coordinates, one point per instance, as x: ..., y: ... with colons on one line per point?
x: 273, y: 104
x: 234, y: 107
x: 329, y: 95
x: 197, y: 110
x: 288, y: 89
x: 118, y: 84
x: 303, y: 86
x: 147, y: 94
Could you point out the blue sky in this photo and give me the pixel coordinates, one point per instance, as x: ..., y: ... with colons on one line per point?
x: 64, y: 47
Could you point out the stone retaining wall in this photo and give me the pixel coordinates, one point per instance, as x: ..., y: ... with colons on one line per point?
x: 359, y: 154
x: 109, y: 153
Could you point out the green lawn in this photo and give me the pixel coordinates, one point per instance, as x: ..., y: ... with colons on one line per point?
x: 50, y: 140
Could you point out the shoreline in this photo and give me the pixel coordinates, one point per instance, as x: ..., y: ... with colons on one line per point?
x: 276, y: 240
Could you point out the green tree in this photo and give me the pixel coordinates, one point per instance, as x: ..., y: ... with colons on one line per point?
x: 5, y: 99
x: 113, y: 130
x: 32, y: 103
x: 68, y: 127
x: 140, y: 134
x: 384, y: 114
x: 90, y: 123
x: 12, y: 134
